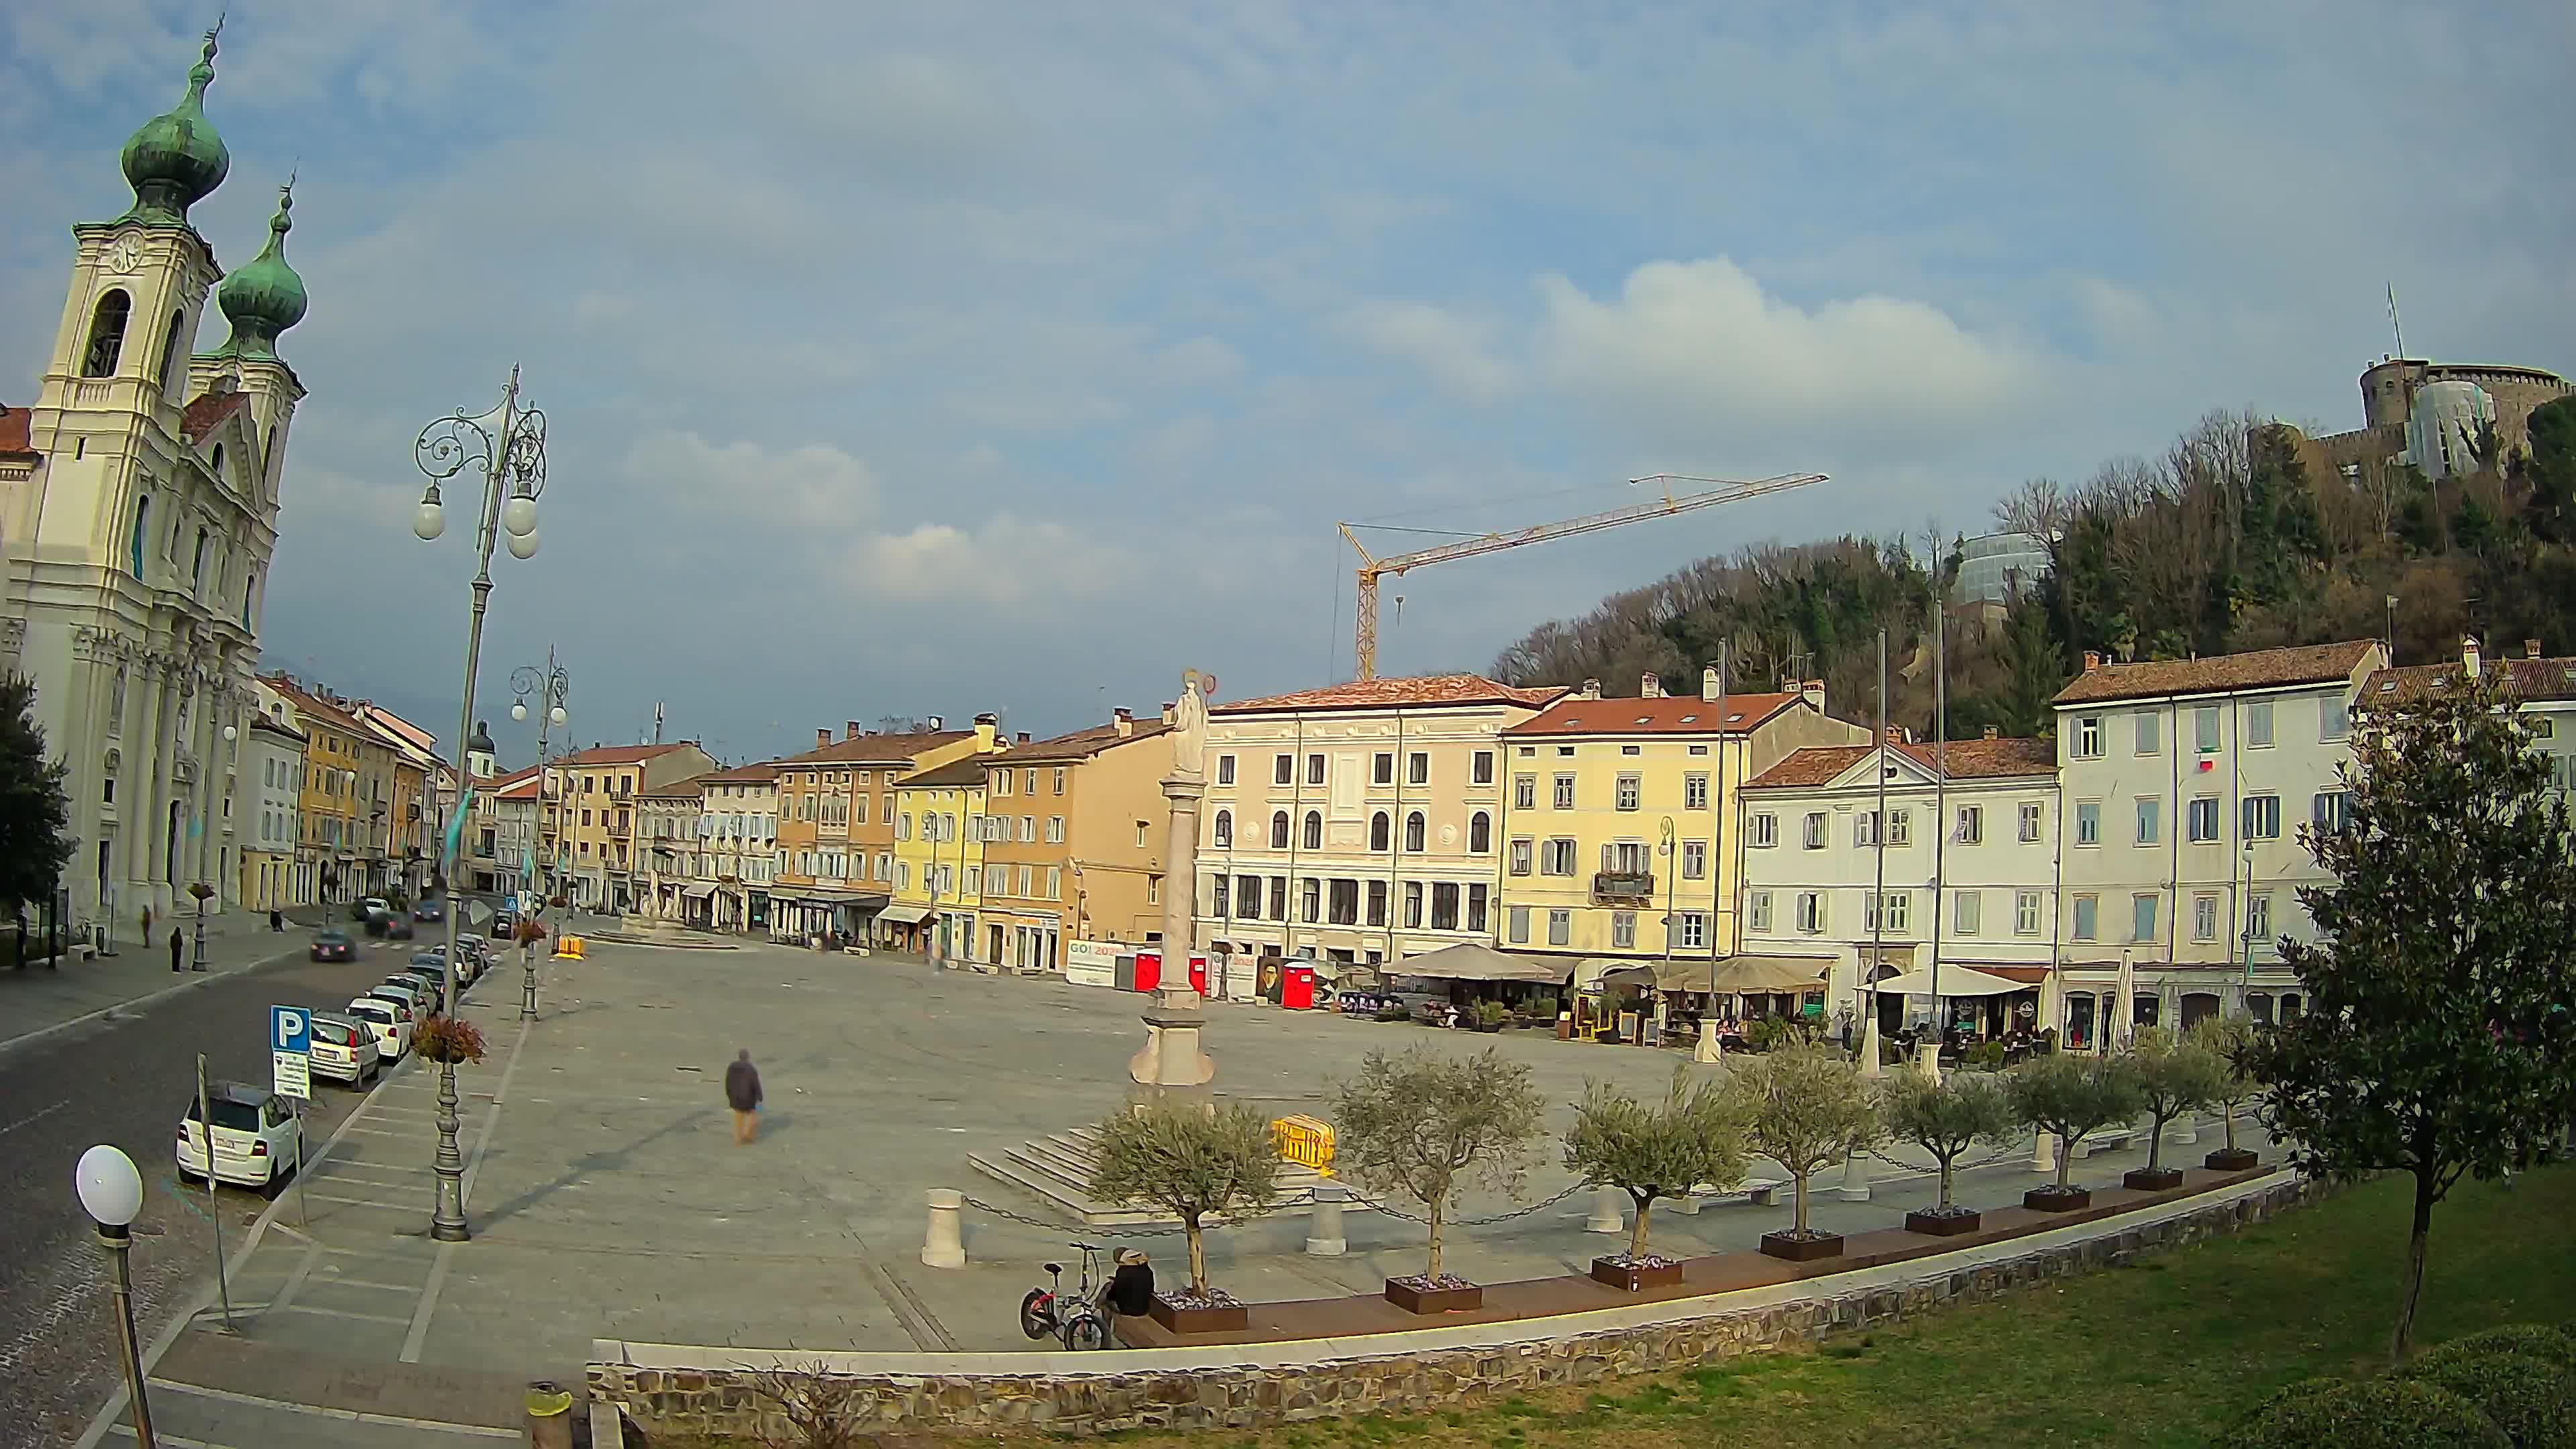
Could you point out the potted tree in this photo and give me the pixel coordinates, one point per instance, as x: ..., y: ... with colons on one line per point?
x: 2069, y: 1095
x: 1945, y: 1118
x: 1807, y: 1108
x: 1422, y: 1125
x: 1194, y: 1162
x: 2230, y: 1041
x: 1692, y: 1137
x: 2174, y: 1075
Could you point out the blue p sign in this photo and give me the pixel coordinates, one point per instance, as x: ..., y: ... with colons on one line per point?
x: 290, y: 1029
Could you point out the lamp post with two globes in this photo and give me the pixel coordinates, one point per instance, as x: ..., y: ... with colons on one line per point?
x: 111, y: 1192
x: 508, y: 447
x: 549, y: 686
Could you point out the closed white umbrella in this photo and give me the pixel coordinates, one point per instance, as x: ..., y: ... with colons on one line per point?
x: 2125, y: 1010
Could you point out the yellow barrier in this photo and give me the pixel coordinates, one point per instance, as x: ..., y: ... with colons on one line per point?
x: 1305, y: 1141
x: 568, y: 948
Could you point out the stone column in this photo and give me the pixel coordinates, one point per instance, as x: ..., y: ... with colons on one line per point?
x: 943, y: 1245
x: 1172, y: 1061
x: 1608, y: 1211
x: 2043, y: 1154
x: 1324, y: 1230
x: 170, y: 691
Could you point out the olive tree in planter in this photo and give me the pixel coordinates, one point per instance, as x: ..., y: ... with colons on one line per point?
x: 2069, y: 1094
x: 1194, y: 1162
x: 2174, y: 1075
x: 1806, y: 1107
x: 1692, y: 1137
x: 2230, y: 1041
x: 1422, y: 1124
x: 1946, y: 1118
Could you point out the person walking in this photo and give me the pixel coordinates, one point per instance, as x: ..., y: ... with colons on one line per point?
x: 276, y: 919
x: 178, y: 950
x: 742, y: 1093
x: 147, y: 925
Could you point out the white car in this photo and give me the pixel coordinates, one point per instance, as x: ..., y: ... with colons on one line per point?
x: 344, y: 1049
x: 257, y: 1138
x: 411, y: 991
x: 390, y: 1021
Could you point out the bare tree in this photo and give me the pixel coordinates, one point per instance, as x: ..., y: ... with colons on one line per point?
x: 821, y: 1411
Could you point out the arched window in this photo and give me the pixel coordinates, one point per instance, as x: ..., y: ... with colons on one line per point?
x: 197, y: 565
x: 1314, y: 830
x: 142, y: 520
x: 170, y: 350
x: 1413, y: 831
x: 1377, y: 831
x: 1225, y: 829
x: 1279, y: 830
x: 106, y: 334
x: 219, y: 462
x: 1480, y: 833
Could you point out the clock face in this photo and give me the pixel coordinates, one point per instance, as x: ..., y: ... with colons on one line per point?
x: 127, y: 253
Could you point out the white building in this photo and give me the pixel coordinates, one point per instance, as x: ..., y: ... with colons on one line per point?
x: 2185, y: 784
x: 1342, y: 823
x: 138, y: 513
x: 2546, y: 687
x: 505, y: 822
x: 272, y: 762
x: 1968, y: 865
x: 740, y: 855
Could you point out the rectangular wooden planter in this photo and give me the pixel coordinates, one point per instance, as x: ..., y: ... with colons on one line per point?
x: 2230, y: 1159
x: 1433, y: 1300
x: 1222, y: 1318
x: 1634, y: 1279
x: 2156, y: 1179
x: 2051, y: 1200
x: 1802, y: 1250
x: 1943, y: 1225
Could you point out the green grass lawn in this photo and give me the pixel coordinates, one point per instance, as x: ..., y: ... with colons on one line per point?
x: 2162, y: 1353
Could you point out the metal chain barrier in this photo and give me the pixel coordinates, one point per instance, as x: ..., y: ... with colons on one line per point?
x: 1520, y: 1212
x: 1025, y: 1220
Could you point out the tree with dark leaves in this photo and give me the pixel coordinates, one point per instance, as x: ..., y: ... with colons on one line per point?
x: 35, y: 813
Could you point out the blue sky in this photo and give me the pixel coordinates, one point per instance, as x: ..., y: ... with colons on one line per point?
x: 934, y: 359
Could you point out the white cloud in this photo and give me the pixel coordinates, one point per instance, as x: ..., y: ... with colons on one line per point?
x: 1451, y: 348
x: 1699, y: 349
x: 998, y: 563
x: 810, y: 486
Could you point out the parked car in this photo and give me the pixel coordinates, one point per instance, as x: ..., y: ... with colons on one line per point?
x: 256, y: 1137
x: 505, y: 925
x: 409, y: 993
x: 433, y: 979
x: 333, y: 945
x: 344, y: 1049
x: 391, y: 1022
x: 425, y: 985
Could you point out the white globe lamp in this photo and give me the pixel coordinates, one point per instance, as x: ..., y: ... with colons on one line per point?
x: 557, y: 716
x: 111, y: 1191
x: 519, y: 711
x: 523, y: 545
x: 429, y: 520
x: 519, y: 516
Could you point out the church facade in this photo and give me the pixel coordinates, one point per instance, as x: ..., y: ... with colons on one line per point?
x: 138, y: 515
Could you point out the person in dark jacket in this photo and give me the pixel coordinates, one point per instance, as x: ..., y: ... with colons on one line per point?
x: 742, y: 1092
x: 178, y: 950
x: 1129, y: 1293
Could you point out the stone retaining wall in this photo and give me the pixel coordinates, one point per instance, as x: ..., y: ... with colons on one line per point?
x: 1236, y: 1390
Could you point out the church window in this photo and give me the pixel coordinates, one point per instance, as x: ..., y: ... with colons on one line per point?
x: 142, y: 516
x: 116, y: 704
x: 197, y: 566
x: 219, y: 462
x: 170, y: 350
x: 106, y: 334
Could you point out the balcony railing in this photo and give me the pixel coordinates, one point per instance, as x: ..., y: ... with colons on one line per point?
x: 620, y: 832
x: 1623, y: 885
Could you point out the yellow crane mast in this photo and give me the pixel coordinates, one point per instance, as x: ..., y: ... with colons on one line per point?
x: 1364, y: 649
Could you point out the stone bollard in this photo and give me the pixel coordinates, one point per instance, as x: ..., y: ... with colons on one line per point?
x: 2043, y: 1153
x: 2186, y: 1130
x: 1324, y: 1231
x: 549, y: 1415
x: 1855, y: 1186
x: 1606, y: 1216
x: 944, y: 1246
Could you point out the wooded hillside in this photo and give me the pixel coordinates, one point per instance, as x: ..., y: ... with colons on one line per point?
x: 2223, y: 543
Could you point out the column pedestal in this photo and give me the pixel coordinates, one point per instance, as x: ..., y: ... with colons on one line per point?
x: 1172, y: 1061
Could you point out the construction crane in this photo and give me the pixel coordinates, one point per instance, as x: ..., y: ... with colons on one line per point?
x: 1372, y: 568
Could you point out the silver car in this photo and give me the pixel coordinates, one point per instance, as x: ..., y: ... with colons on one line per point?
x: 345, y: 1049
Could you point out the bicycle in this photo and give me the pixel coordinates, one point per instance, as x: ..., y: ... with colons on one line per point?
x: 1080, y: 1325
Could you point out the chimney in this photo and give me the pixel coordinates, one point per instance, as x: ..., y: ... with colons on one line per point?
x: 938, y: 722
x: 1123, y: 722
x: 988, y: 728
x: 849, y: 729
x: 1021, y: 738
x: 822, y: 737
x: 1709, y: 689
x: 2469, y: 655
x: 1896, y: 734
x: 1591, y: 690
x: 1650, y: 687
x: 2530, y: 648
x: 1813, y: 690
x: 1990, y: 732
x: 1169, y: 716
x: 2092, y: 660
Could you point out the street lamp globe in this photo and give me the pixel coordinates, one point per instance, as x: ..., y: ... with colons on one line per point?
x: 231, y: 734
x: 519, y: 711
x: 523, y: 545
x: 519, y: 516
x: 557, y: 716
x: 111, y: 1191
x: 429, y: 520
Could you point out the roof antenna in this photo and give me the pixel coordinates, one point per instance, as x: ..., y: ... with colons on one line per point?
x: 2393, y: 324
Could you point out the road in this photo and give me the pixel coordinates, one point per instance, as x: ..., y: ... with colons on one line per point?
x: 125, y: 1081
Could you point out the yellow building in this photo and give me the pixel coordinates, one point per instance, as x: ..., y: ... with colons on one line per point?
x: 329, y: 840
x: 1073, y: 842
x: 1616, y: 816
x: 835, y: 845
x: 939, y: 852
x: 595, y: 860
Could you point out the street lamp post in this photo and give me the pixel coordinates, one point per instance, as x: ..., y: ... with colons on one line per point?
x: 550, y: 687
x: 111, y: 1192
x: 202, y: 892
x: 508, y: 447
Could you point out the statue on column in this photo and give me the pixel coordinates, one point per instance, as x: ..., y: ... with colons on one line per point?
x: 1189, y: 729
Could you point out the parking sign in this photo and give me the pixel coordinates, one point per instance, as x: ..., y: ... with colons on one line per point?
x: 290, y: 1051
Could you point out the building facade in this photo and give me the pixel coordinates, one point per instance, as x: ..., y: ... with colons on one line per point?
x: 741, y: 846
x: 2545, y: 687
x: 2185, y: 783
x: 272, y: 760
x: 1074, y: 830
x: 138, y: 514
x: 598, y: 865
x: 1961, y: 869
x: 939, y: 858
x: 1616, y: 828
x: 1342, y: 822
x: 329, y: 869
x: 836, y: 808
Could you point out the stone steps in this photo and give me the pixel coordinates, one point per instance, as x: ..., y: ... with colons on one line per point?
x: 1056, y: 1169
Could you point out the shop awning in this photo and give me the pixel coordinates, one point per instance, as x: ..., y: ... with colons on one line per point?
x: 698, y: 891
x: 1661, y: 975
x: 1468, y: 961
x: 1766, y: 975
x: 904, y: 915
x: 1955, y: 981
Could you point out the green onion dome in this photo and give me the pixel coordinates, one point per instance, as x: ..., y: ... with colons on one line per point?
x: 176, y: 159
x: 264, y: 297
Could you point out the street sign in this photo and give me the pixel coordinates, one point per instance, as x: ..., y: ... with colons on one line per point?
x: 290, y: 1051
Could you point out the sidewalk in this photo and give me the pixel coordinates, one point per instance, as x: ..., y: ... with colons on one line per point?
x: 39, y: 1001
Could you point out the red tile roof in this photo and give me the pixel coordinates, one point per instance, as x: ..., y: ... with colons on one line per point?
x: 208, y: 412
x: 15, y: 442
x: 876, y: 749
x: 1079, y: 745
x: 1425, y: 692
x: 263, y: 722
x: 308, y: 703
x: 742, y: 775
x: 2260, y: 669
x: 1669, y: 715
x: 2532, y: 679
x: 1965, y: 759
x: 617, y: 754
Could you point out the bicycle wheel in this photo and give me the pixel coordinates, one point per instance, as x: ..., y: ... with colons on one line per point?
x: 1037, y: 1313
x: 1086, y: 1330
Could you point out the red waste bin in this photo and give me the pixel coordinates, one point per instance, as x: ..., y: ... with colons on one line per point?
x: 1149, y: 970
x: 1198, y: 975
x: 1297, y: 988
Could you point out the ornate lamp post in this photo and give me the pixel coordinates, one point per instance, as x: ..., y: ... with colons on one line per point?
x: 202, y: 892
x: 508, y: 447
x: 111, y: 1192
x: 549, y: 686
